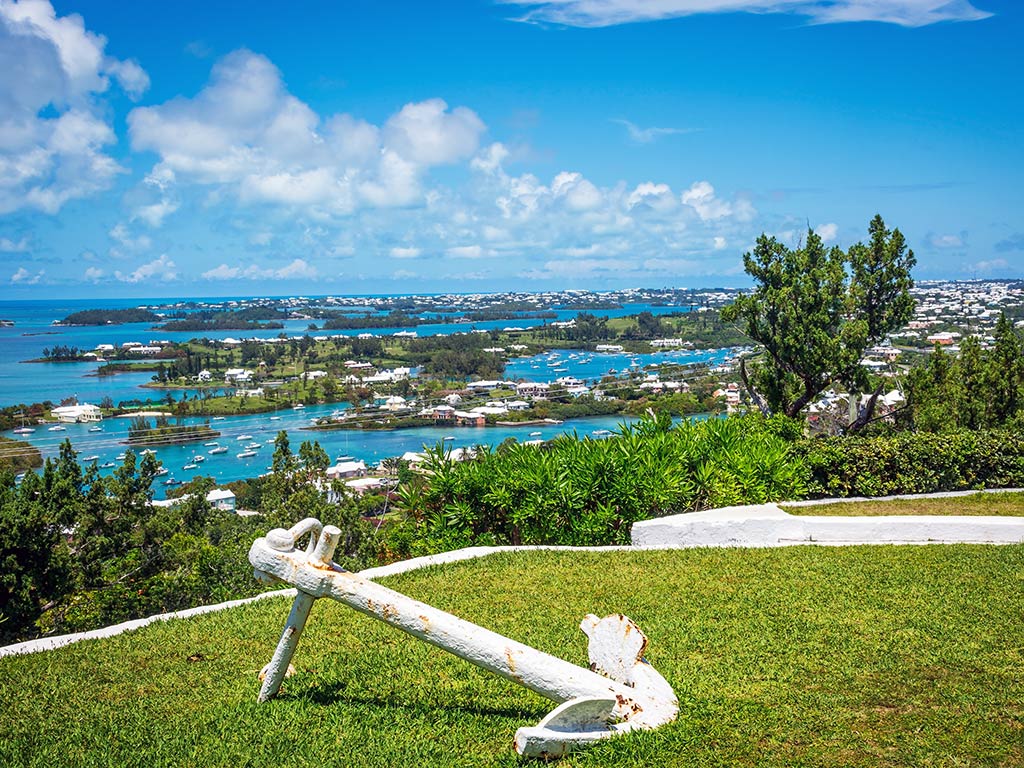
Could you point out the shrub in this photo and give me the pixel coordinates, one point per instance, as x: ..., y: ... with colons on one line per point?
x: 913, y: 462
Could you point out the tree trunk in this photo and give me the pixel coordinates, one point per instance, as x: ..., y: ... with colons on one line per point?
x: 865, y: 414
x: 755, y: 396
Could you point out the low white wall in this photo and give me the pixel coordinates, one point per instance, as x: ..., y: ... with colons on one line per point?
x: 767, y: 525
x: 470, y: 553
x: 758, y: 525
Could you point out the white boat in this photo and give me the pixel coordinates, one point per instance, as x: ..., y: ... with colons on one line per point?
x: 601, y: 432
x: 449, y: 437
x: 275, y: 418
x: 172, y: 481
x: 218, y: 449
x: 191, y: 466
x: 58, y: 428
x: 147, y: 452
x: 108, y: 465
x: 245, y: 454
x: 198, y: 459
x: 218, y: 418
x: 214, y: 444
x: 91, y: 458
x: 535, y: 434
x: 298, y: 407
x: 24, y: 431
x: 244, y: 437
x: 161, y: 472
x: 345, y: 457
x: 253, y: 447
x: 270, y: 441
x: 120, y: 457
x: 95, y: 429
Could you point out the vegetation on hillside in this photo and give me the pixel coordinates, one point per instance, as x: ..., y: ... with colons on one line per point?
x: 110, y: 317
x: 18, y: 456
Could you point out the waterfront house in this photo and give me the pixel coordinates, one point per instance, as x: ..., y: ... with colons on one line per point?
x: 77, y: 414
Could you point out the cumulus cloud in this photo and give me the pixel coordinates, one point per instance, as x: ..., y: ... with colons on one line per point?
x: 702, y: 198
x: 13, y: 246
x: 53, y: 123
x: 299, y: 269
x: 604, y: 13
x: 991, y: 265
x: 469, y: 252
x: 93, y: 274
x: 403, y: 252
x: 23, y: 277
x: 123, y: 236
x: 244, y: 132
x: 155, y: 213
x: 428, y: 134
x: 946, y: 241
x: 160, y: 269
x: 827, y: 232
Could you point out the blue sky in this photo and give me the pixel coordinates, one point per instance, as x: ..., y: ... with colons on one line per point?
x: 369, y: 146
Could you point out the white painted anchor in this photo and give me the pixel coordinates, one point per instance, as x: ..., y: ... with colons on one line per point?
x: 628, y: 693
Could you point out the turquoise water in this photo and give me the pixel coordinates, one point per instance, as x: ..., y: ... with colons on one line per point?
x: 34, y: 382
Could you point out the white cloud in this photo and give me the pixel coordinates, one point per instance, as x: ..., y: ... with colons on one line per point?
x: 23, y: 277
x: 603, y: 13
x: 490, y: 159
x: 155, y: 213
x: 720, y: 243
x: 93, y: 274
x: 658, y: 197
x: 403, y: 274
x: 469, y: 252
x: 943, y: 242
x: 991, y: 265
x: 162, y: 269
x: 647, y: 135
x: 299, y: 269
x: 121, y: 234
x: 701, y: 197
x: 245, y: 133
x: 53, y: 124
x: 402, y: 252
x: 13, y: 246
x: 827, y: 232
x: 428, y: 134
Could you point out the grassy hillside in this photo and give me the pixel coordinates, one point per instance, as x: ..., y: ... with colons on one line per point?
x: 860, y: 656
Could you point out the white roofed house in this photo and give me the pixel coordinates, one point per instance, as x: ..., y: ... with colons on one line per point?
x: 75, y: 414
x: 237, y: 375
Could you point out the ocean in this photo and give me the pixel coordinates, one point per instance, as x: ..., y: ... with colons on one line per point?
x: 25, y: 383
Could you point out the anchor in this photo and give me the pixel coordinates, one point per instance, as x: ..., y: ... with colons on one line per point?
x: 620, y: 692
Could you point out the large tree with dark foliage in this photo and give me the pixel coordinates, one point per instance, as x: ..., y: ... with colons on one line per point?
x: 816, y: 310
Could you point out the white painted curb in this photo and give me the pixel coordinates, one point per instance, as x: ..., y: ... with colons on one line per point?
x: 767, y: 525
x: 757, y: 525
x: 403, y: 566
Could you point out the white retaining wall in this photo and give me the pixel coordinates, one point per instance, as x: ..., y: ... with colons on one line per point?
x: 767, y: 525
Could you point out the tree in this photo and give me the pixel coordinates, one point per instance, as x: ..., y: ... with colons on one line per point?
x: 1005, y: 373
x: 816, y: 310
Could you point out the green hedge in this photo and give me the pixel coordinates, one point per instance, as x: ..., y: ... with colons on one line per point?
x: 913, y: 462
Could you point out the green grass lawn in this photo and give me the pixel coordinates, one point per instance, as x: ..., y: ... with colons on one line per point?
x: 1010, y: 504
x: 846, y: 656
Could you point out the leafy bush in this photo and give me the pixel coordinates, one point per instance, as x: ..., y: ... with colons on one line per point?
x: 583, y: 491
x: 914, y: 462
